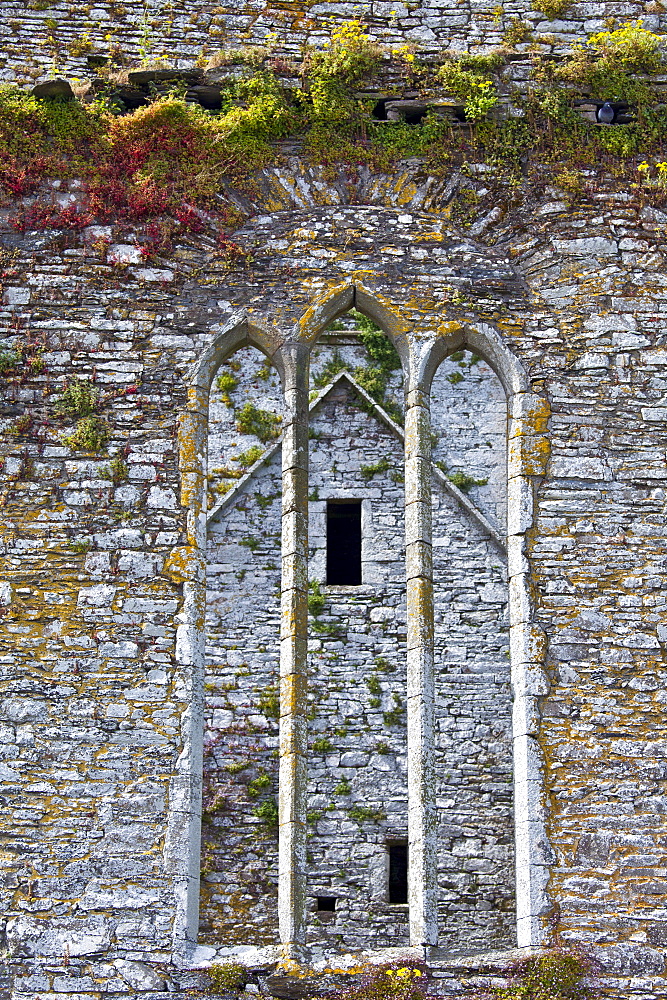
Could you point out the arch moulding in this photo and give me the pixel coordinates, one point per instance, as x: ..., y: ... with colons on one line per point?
x: 527, y: 447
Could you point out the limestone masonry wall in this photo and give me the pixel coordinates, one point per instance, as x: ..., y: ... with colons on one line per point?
x: 191, y: 750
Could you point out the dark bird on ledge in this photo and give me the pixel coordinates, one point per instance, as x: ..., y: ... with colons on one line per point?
x: 606, y: 113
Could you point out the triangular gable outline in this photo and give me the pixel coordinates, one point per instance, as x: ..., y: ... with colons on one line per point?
x: 458, y: 495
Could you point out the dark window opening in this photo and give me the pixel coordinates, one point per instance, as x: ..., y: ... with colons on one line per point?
x: 344, y: 542
x: 326, y: 904
x: 398, y: 873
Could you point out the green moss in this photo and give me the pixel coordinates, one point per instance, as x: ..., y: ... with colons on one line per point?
x: 262, y: 423
x: 343, y: 787
x: 117, y: 471
x: 90, y: 434
x: 368, y: 471
x: 225, y: 977
x: 315, y: 599
x: 322, y: 745
x: 464, y: 482
x: 78, y: 399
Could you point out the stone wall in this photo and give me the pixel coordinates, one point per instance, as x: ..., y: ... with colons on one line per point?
x: 98, y: 694
x: 60, y: 38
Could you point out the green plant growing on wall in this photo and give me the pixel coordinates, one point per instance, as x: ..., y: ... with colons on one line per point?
x: 9, y: 360
x: 347, y: 58
x: 329, y: 370
x: 226, y: 383
x: 262, y: 423
x: 343, y: 787
x: 226, y: 977
x: 90, y: 434
x: 365, y: 814
x: 79, y: 398
x: 117, y: 471
x: 553, y: 9
x: 557, y: 975
x: 464, y: 482
x: 612, y: 65
x: 368, y: 471
x: 315, y: 599
x: 394, y: 716
x: 471, y: 85
x: 249, y: 457
x: 516, y: 32
x: 267, y: 811
x: 373, y: 684
x: 259, y: 785
x: 322, y: 745
x: 269, y: 702
x: 237, y: 766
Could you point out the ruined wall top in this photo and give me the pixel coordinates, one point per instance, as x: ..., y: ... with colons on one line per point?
x: 54, y: 37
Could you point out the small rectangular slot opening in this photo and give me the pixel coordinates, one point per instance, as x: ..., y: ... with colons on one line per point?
x: 344, y: 542
x: 398, y: 873
x: 326, y: 904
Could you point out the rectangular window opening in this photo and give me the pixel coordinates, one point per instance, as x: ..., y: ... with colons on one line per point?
x: 398, y: 873
x: 326, y: 904
x: 344, y: 542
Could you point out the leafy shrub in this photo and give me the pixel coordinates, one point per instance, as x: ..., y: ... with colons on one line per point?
x: 350, y: 55
x: 609, y: 64
x: 471, y: 86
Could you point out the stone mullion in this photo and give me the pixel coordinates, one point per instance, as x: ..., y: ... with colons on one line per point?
x: 293, y: 655
x: 422, y: 876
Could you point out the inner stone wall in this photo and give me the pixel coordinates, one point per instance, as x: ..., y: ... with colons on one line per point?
x: 357, y: 801
x: 93, y: 571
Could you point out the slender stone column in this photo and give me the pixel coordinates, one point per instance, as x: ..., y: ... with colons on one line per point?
x: 293, y: 654
x: 422, y: 874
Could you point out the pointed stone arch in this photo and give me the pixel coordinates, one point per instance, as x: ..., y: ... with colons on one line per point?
x: 420, y: 356
x: 186, y: 566
x: 528, y: 450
